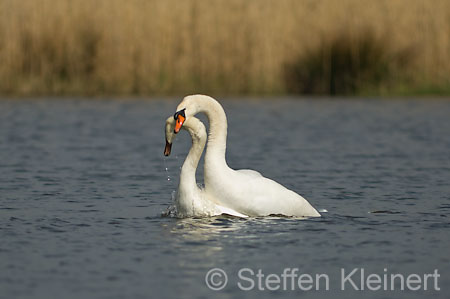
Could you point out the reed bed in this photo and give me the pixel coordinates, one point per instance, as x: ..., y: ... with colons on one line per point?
x: 148, y: 47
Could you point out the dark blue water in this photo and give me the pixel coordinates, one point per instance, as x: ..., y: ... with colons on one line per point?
x: 83, y: 184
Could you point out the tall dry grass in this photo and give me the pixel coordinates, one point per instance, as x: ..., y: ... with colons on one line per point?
x: 214, y: 46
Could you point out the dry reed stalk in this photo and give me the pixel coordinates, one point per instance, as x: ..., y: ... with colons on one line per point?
x: 215, y: 46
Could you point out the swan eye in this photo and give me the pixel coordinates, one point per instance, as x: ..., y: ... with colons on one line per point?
x: 178, y: 113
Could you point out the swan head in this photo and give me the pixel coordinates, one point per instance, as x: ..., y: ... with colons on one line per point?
x: 189, y: 107
x: 193, y: 125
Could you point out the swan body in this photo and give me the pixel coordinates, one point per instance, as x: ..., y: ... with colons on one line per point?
x: 245, y: 191
x: 190, y: 200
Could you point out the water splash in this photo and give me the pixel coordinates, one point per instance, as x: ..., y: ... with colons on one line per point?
x: 171, y: 210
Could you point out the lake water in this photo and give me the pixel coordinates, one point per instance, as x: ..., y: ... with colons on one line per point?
x: 83, y: 184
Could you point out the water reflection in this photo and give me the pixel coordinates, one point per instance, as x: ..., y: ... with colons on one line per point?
x: 223, y: 226
x: 204, y: 229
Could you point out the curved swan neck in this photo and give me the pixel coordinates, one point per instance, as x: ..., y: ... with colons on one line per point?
x: 217, y: 135
x: 189, y: 168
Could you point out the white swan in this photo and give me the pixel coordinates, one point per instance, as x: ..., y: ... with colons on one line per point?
x: 191, y: 201
x: 245, y: 191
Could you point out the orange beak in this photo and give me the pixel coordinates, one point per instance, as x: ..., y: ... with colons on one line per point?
x: 179, y: 123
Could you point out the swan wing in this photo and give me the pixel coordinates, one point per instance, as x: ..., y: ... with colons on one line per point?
x: 269, y: 197
x: 259, y: 196
x: 250, y: 172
